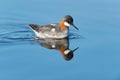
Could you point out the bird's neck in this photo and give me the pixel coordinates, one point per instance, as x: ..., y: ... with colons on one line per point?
x: 62, y: 49
x: 62, y: 26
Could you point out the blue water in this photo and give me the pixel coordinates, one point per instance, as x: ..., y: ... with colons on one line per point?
x: 24, y: 58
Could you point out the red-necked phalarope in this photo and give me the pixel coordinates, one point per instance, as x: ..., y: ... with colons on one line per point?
x: 56, y: 30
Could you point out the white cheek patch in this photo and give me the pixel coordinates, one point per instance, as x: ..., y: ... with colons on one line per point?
x: 66, y: 52
x: 66, y: 24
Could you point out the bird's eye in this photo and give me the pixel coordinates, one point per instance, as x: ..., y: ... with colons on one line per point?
x: 68, y: 21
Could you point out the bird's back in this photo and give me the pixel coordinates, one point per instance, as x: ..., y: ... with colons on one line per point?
x: 48, y: 31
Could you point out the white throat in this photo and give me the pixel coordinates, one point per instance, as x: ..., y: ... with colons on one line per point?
x: 66, y: 24
x: 66, y: 52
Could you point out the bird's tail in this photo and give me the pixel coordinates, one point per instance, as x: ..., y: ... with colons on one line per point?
x: 34, y: 27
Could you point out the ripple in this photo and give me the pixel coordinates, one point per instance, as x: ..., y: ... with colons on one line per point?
x: 75, y: 36
x: 14, y: 33
x: 26, y: 35
x: 16, y: 38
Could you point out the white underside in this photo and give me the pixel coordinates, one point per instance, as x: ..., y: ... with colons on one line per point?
x: 52, y: 35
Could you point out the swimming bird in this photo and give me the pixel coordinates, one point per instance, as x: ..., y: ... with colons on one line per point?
x: 55, y: 30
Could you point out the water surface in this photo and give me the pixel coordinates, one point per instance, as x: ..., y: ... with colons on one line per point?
x: 24, y: 58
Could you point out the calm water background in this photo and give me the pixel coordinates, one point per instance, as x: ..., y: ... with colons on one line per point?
x: 98, y: 56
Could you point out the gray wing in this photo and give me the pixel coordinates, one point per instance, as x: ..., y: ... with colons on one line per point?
x: 44, y: 28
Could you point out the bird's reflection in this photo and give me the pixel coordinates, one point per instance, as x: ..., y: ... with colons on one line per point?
x: 61, y: 45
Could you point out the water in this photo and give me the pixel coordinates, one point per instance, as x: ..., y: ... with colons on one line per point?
x: 24, y: 58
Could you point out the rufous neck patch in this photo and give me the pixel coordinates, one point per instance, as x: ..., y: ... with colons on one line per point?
x: 62, y: 26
